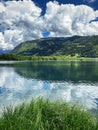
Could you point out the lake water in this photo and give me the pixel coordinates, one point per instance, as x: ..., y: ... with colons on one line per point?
x: 72, y: 81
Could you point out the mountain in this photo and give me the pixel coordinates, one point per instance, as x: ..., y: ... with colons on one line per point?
x: 85, y: 46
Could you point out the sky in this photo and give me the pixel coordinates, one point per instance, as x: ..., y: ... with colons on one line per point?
x: 25, y: 20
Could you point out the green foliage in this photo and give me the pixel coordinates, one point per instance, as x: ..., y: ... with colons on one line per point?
x: 45, y: 115
x: 14, y: 57
x: 83, y: 46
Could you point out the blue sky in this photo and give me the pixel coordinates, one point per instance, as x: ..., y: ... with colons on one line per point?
x: 25, y: 20
x: 42, y: 3
x: 91, y: 3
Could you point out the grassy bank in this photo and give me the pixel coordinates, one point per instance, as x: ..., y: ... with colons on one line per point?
x: 11, y: 57
x: 45, y: 115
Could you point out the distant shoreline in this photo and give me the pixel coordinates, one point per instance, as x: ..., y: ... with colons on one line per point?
x: 11, y: 57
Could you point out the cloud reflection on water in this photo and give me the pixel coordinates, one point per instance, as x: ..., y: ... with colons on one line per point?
x: 15, y: 89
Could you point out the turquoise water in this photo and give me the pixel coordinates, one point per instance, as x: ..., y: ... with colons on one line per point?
x: 72, y: 81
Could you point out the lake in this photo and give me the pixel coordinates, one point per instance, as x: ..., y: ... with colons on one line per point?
x: 71, y: 81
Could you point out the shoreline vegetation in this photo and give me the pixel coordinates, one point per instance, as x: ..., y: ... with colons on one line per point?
x: 43, y: 114
x: 12, y: 57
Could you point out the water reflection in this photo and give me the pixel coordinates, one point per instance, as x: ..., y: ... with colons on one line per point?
x: 59, y: 71
x: 46, y: 85
x: 20, y: 83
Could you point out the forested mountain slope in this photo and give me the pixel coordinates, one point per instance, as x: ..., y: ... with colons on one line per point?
x: 86, y: 46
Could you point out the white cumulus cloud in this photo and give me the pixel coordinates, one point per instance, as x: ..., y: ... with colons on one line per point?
x: 68, y: 20
x: 3, y: 44
x: 19, y: 21
x: 22, y: 20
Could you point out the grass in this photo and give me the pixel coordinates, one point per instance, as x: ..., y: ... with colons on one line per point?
x: 46, y: 115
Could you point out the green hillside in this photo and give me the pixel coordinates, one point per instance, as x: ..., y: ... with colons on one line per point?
x: 83, y: 46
